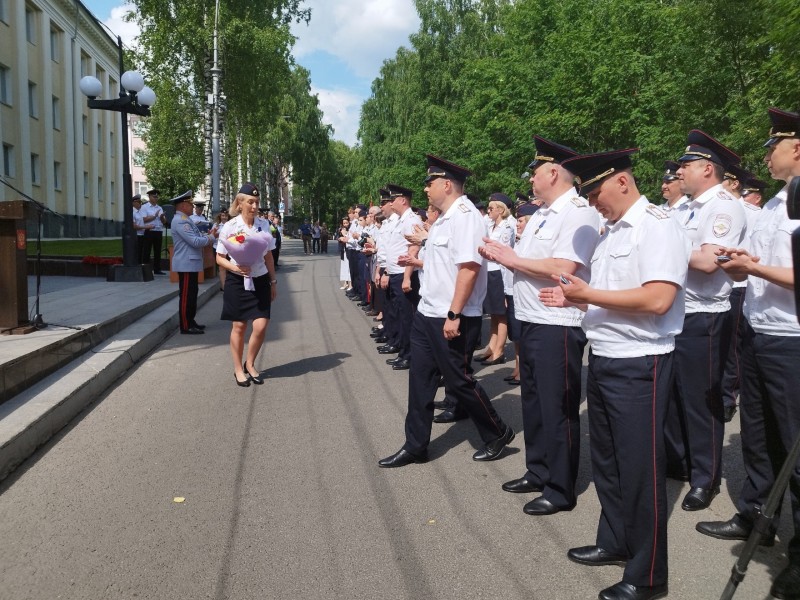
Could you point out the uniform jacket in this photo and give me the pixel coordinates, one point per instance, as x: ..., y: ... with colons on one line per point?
x: 188, y: 255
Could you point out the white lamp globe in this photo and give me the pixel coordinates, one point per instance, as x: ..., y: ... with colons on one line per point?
x: 91, y: 86
x: 147, y: 97
x: 132, y: 81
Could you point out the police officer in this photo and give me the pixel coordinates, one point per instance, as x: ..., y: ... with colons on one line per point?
x: 634, y: 308
x: 770, y: 355
x: 403, y: 290
x: 198, y: 218
x: 139, y: 226
x: 187, y: 260
x: 447, y: 323
x: 671, y: 188
x: 735, y: 179
x: 153, y: 215
x: 390, y: 332
x: 561, y: 238
x: 711, y: 219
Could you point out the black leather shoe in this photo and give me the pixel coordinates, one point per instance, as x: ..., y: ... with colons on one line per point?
x: 494, y: 449
x: 627, y: 591
x: 497, y: 361
x: 728, y: 413
x: 787, y: 585
x: 400, y: 459
x: 450, y: 416
x: 541, y: 506
x: 198, y: 325
x: 402, y: 364
x: 377, y: 328
x: 192, y: 331
x: 514, y: 382
x: 441, y: 405
x: 510, y: 378
x: 391, y: 361
x: 254, y: 378
x: 595, y: 556
x: 363, y: 304
x: 381, y: 339
x: 521, y: 486
x: 370, y: 313
x: 699, y: 498
x: 735, y: 529
x: 441, y: 382
x: 388, y: 350
x: 245, y: 383
x: 376, y: 334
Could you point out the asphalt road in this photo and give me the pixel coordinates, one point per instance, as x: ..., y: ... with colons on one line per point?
x: 282, y: 495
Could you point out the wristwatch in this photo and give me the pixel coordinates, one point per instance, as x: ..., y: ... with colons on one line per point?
x: 453, y: 316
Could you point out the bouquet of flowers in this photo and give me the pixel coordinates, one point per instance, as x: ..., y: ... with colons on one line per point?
x: 247, y: 249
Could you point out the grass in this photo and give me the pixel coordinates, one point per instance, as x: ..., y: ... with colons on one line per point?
x: 102, y: 247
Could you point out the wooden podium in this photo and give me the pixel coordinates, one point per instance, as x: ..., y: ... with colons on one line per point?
x: 14, y: 267
x: 209, y: 265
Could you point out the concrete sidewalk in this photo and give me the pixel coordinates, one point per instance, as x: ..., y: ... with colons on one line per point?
x: 95, y: 332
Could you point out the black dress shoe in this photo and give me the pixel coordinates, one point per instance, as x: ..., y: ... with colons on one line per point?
x: 376, y: 334
x: 388, y: 350
x: 595, y: 556
x: 198, y: 326
x: 245, y: 383
x: 391, y: 361
x: 450, y: 416
x: 192, y: 331
x: 541, y: 506
x: 441, y: 405
x: 254, y: 378
x: 510, y: 378
x: 787, y: 585
x: 370, y: 313
x: 381, y: 339
x: 497, y: 361
x: 402, y: 364
x: 521, y: 486
x: 400, y: 459
x: 699, y: 498
x: 728, y: 413
x: 627, y: 591
x: 377, y: 328
x: 514, y: 382
x: 494, y: 449
x: 441, y: 382
x: 735, y: 529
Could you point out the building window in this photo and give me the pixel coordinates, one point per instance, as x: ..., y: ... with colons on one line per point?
x: 56, y: 113
x: 113, y: 194
x: 5, y: 84
x: 138, y: 157
x: 33, y: 107
x: 55, y: 44
x: 85, y: 184
x: 100, y: 188
x: 85, y: 63
x: 85, y: 127
x: 99, y: 138
x: 57, y: 175
x: 8, y: 160
x: 111, y: 147
x: 35, y: 175
x: 31, y: 19
x: 141, y: 188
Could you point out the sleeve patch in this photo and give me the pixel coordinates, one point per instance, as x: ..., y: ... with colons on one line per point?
x: 722, y: 225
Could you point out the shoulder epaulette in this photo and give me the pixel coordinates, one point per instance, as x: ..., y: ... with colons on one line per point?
x: 580, y: 202
x: 657, y: 212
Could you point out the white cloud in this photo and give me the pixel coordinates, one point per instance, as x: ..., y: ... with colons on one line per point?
x: 128, y: 31
x: 361, y: 33
x: 342, y: 110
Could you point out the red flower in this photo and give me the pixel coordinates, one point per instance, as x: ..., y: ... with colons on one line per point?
x: 240, y: 238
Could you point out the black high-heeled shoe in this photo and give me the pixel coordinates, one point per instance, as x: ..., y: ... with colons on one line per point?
x: 245, y: 383
x: 254, y: 378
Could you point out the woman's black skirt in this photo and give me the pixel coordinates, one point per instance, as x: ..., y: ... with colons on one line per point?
x: 495, y: 301
x: 238, y: 304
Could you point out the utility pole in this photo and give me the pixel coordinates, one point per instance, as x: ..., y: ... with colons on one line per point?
x: 215, y: 73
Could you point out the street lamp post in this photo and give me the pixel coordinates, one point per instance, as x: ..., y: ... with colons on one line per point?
x: 134, y: 99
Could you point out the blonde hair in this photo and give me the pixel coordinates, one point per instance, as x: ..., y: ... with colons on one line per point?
x: 236, y: 205
x: 501, y: 206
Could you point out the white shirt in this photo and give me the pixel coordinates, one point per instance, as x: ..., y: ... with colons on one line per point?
x: 453, y: 240
x: 768, y: 307
x: 396, y: 243
x: 644, y: 245
x: 569, y: 229
x: 352, y: 243
x: 236, y: 226
x: 138, y: 220
x: 714, y: 217
x: 751, y: 212
x: 502, y: 233
x: 148, y: 210
x: 382, y: 241
x: 671, y: 210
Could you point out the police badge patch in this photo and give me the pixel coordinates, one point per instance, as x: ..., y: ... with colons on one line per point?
x: 722, y: 225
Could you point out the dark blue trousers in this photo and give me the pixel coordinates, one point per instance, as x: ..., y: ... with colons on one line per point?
x: 770, y: 416
x: 627, y: 400
x: 695, y: 422
x: 732, y: 374
x: 550, y: 361
x: 404, y: 306
x: 432, y: 354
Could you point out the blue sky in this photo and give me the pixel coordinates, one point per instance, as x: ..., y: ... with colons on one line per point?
x: 343, y: 47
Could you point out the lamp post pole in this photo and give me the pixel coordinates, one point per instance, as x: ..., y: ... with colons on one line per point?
x: 134, y: 98
x: 215, y: 159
